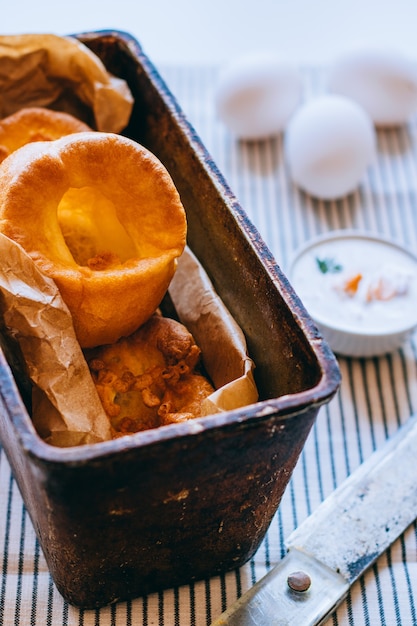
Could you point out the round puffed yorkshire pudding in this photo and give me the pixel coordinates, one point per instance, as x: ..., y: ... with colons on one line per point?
x: 99, y: 214
x: 36, y: 124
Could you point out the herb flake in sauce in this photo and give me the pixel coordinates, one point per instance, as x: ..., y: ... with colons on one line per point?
x: 328, y: 265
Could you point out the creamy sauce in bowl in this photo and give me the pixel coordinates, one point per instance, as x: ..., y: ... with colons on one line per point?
x: 357, y: 283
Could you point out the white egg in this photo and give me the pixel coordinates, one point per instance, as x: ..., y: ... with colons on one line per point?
x: 256, y: 95
x: 328, y: 144
x: 382, y: 81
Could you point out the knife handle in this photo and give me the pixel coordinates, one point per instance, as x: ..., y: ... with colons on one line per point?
x: 272, y: 601
x: 346, y: 533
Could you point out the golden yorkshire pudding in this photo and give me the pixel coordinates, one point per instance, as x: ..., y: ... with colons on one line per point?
x: 151, y: 378
x: 36, y: 124
x: 99, y: 214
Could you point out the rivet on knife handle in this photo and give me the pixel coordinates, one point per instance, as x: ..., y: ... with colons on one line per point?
x: 338, y: 542
x: 272, y: 602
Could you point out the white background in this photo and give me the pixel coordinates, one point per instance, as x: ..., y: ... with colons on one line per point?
x: 191, y: 31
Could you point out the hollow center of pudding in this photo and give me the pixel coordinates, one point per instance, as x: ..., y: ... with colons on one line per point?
x: 92, y: 230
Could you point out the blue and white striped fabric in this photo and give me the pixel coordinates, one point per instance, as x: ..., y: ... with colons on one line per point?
x: 376, y: 397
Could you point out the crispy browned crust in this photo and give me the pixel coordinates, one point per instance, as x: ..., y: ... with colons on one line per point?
x: 129, y: 188
x: 36, y: 124
x: 151, y: 378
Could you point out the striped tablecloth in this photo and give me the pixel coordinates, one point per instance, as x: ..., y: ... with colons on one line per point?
x: 377, y: 395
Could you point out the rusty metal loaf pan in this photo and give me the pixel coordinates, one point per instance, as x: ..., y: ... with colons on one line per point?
x: 168, y: 506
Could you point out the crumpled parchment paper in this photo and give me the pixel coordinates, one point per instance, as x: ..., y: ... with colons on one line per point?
x: 66, y: 403
x: 221, y: 340
x: 61, y: 73
x: 66, y: 410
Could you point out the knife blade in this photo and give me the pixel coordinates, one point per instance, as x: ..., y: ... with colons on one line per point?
x: 334, y: 546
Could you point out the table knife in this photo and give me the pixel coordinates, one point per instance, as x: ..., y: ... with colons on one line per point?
x: 334, y: 546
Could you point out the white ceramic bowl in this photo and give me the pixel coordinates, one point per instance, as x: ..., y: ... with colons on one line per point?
x: 360, y: 289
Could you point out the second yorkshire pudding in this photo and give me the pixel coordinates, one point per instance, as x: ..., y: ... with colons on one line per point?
x: 152, y: 378
x: 36, y: 124
x: 100, y: 214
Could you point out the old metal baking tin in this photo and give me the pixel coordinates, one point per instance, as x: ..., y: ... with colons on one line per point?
x: 187, y: 501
